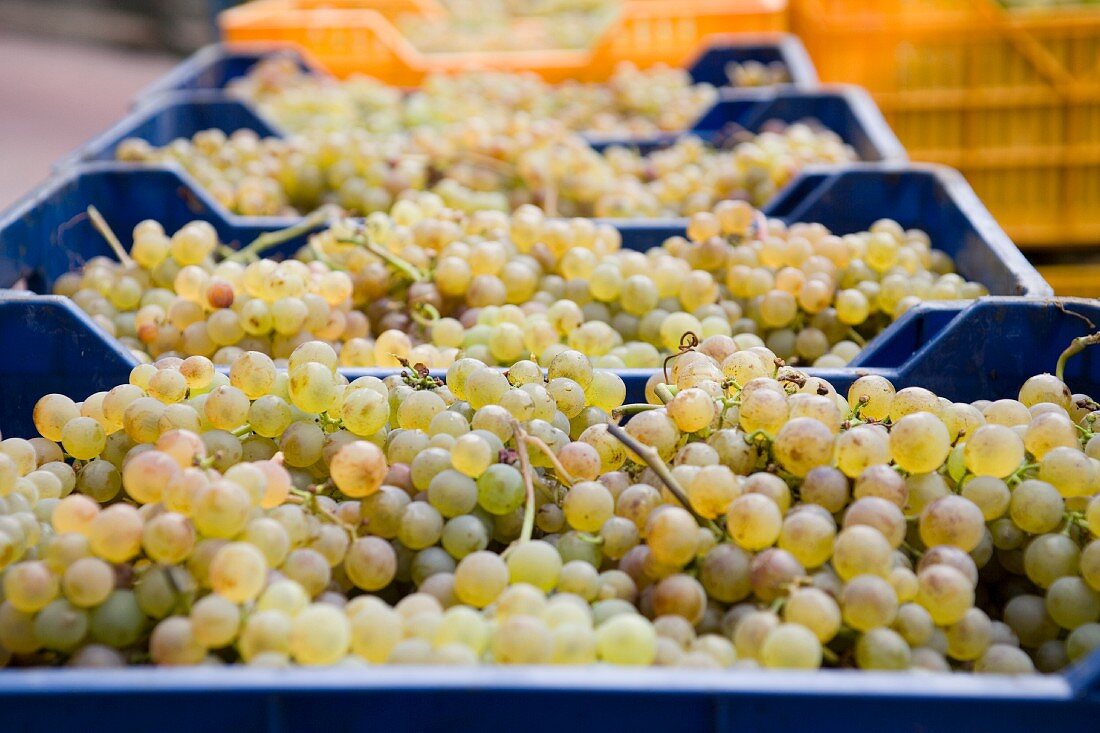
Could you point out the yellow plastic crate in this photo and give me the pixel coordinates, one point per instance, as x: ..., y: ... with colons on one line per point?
x: 350, y: 36
x: 1009, y: 97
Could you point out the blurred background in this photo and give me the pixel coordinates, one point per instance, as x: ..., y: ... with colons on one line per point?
x: 1012, y: 99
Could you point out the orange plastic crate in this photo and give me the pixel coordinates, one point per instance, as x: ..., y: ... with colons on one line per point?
x: 350, y: 36
x: 1010, y: 97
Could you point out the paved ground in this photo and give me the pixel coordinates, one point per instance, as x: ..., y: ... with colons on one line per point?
x: 55, y: 96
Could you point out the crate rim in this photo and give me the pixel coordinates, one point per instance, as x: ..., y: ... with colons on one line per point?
x: 1075, y: 684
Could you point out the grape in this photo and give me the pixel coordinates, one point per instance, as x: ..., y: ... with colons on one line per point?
x: 237, y: 571
x: 370, y: 563
x: 536, y: 563
x: 868, y: 602
x: 358, y: 468
x: 500, y: 489
x: 882, y: 649
x: 1036, y: 506
x: 626, y: 639
x: 118, y: 621
x: 1072, y: 603
x: 945, y: 593
x: 952, y: 520
x: 791, y: 646
x: 115, y: 533
x: 802, y: 444
x: 993, y: 450
x: 319, y: 635
x: 754, y: 521
x: 215, y: 621
x: 479, y: 578
x: 87, y: 582
x: 1004, y: 659
x: 83, y: 438
x: 919, y: 442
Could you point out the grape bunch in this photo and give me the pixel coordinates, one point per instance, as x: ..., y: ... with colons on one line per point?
x: 502, y: 26
x: 491, y: 163
x: 271, y: 517
x: 756, y: 74
x: 430, y: 284
x: 177, y: 295
x: 632, y: 103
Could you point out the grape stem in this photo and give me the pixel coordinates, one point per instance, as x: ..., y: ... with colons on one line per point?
x: 633, y: 409
x: 267, y: 240
x: 564, y: 476
x: 653, y: 460
x: 429, y: 316
x: 403, y: 266
x: 529, y: 487
x: 108, y: 234
x: 309, y: 500
x: 664, y: 394
x: 1076, y: 346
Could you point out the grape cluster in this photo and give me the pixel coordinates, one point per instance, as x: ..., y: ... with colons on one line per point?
x: 484, y: 163
x: 508, y: 25
x: 632, y: 103
x: 430, y: 284
x: 273, y: 517
x: 756, y: 74
x: 176, y: 295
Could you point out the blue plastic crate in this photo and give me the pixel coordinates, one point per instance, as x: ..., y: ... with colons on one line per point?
x: 545, y: 699
x: 214, y: 66
x: 50, y: 345
x: 48, y: 234
x: 710, y: 65
x: 847, y: 110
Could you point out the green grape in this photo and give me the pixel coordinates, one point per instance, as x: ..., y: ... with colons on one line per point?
x: 672, y: 536
x: 859, y: 550
x: 952, y: 520
x: 220, y: 509
x: 87, y: 582
x: 238, y: 571
x: 479, y: 578
x: 471, y: 455
x: 358, y: 468
x: 754, y: 522
x: 83, y: 438
x: 115, y: 533
x: 587, y: 506
x: 118, y: 621
x: 626, y: 639
x: 868, y: 602
x: 168, y: 538
x: 993, y: 450
x: 882, y: 649
x: 919, y: 442
x: 945, y: 593
x: 1072, y: 603
x: 803, y: 444
x: 791, y: 646
x: 370, y: 563
x: 1036, y: 506
x: 30, y: 586
x: 215, y: 621
x: 464, y: 534
x: 500, y: 489
x: 319, y: 635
